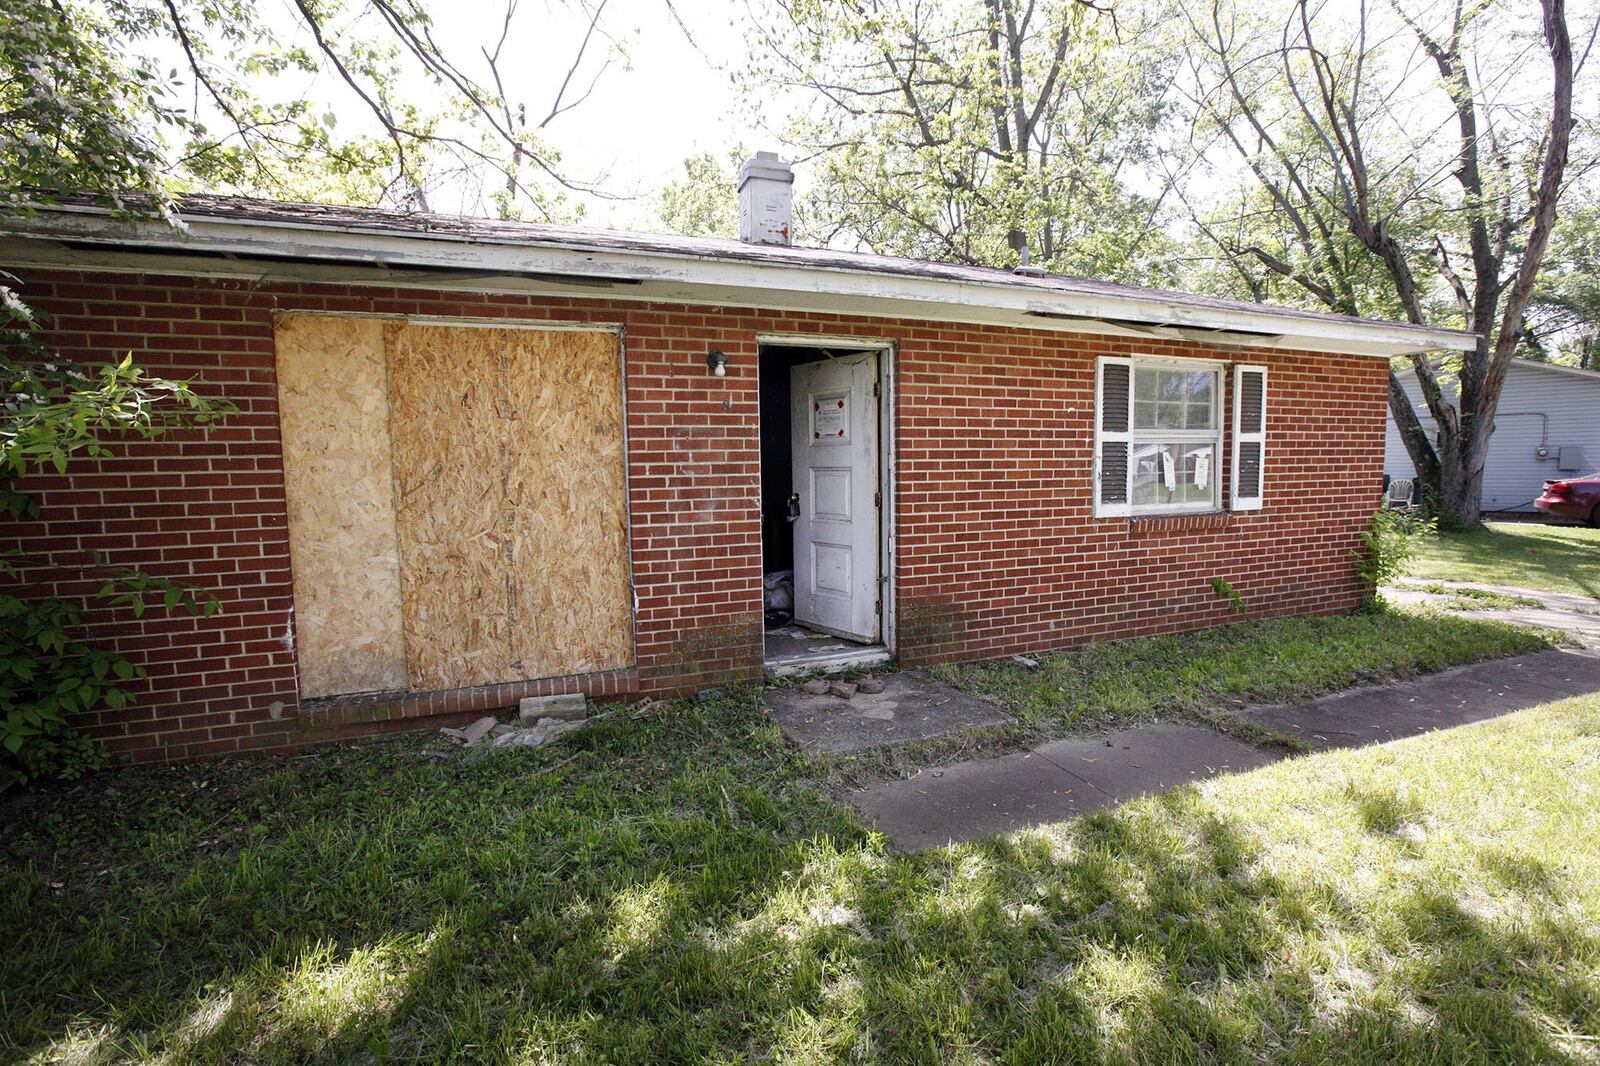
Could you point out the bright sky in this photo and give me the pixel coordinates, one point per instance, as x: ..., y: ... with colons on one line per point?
x: 660, y: 100
x: 666, y: 93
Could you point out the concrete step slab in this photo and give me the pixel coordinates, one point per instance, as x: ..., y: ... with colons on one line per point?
x: 912, y: 706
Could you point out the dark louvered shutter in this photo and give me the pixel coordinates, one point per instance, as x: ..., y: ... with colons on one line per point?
x: 1113, y: 423
x: 1249, y: 436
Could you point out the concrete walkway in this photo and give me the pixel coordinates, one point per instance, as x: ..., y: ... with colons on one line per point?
x: 1577, y: 616
x: 982, y: 797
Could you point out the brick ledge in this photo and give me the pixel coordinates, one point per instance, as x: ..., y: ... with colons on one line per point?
x: 1180, y: 523
x: 365, y: 707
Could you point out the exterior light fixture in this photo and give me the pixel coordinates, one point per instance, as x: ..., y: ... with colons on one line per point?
x: 717, y: 362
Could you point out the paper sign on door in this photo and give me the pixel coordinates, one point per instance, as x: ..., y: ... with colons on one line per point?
x: 830, y: 417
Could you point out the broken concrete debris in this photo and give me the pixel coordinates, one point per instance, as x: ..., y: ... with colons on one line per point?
x: 533, y: 730
x: 543, y: 732
x: 844, y: 690
x: 472, y: 733
x: 568, y: 707
x: 1025, y: 662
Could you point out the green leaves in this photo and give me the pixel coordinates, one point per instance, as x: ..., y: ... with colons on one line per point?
x: 130, y: 588
x: 47, y: 674
x: 1390, y: 543
x: 959, y: 131
x: 52, y: 409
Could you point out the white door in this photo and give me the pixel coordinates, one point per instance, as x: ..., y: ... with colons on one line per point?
x: 834, y: 420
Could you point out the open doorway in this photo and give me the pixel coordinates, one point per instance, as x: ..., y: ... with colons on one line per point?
x: 823, y: 535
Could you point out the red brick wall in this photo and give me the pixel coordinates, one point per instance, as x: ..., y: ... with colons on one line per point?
x: 997, y: 551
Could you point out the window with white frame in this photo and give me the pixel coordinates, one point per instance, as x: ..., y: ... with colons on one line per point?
x: 1159, y: 436
x: 1176, y: 437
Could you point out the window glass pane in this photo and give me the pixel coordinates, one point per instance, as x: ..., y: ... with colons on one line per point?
x: 1173, y: 474
x: 1174, y: 385
x: 1174, y: 399
x: 1197, y: 483
x: 1144, y: 383
x: 1149, y: 489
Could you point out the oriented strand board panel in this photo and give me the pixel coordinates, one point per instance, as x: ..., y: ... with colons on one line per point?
x: 571, y: 604
x: 511, y: 503
x: 343, y: 547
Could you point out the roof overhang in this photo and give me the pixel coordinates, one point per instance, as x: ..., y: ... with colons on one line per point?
x: 90, y: 238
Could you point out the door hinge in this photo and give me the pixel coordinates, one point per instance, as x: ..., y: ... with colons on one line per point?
x: 877, y: 388
x: 877, y: 607
x: 877, y: 499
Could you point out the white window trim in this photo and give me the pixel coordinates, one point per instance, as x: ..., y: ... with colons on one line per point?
x: 1214, y: 436
x: 1237, y: 502
x: 1108, y: 510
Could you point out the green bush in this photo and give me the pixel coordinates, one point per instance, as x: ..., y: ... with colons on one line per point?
x: 50, y: 411
x: 1390, y: 544
x: 46, y: 674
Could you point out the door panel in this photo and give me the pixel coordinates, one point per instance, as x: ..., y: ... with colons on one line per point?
x: 834, y: 420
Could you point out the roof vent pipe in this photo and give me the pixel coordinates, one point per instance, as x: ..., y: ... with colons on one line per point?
x: 766, y: 200
x: 1019, y: 244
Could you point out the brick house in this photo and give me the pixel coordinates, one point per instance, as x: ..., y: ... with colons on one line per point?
x: 482, y: 460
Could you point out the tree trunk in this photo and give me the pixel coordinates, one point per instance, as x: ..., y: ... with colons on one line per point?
x: 1460, y: 483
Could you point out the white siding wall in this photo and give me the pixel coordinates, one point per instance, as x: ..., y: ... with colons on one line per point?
x: 1570, y: 404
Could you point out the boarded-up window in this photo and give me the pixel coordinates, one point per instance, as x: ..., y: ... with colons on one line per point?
x: 492, y: 491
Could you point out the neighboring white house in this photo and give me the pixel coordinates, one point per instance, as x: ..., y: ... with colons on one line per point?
x: 1548, y: 426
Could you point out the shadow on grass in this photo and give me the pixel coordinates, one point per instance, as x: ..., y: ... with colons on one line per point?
x: 1562, y: 558
x: 681, y: 892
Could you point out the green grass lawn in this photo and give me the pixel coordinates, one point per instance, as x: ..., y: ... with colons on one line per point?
x: 1279, y: 660
x: 681, y: 888
x: 1470, y: 597
x: 1522, y: 554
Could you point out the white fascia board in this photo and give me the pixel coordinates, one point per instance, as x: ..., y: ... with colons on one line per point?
x: 662, y: 277
x: 1557, y: 368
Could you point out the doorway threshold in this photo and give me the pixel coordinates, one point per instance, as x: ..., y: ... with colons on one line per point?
x: 796, y: 649
x: 828, y: 662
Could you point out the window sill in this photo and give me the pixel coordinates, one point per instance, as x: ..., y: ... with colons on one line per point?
x: 1182, y: 521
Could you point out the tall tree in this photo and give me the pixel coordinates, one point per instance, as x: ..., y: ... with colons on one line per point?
x: 1563, y: 321
x: 218, y: 94
x: 1378, y: 184
x: 704, y: 202
x: 977, y: 131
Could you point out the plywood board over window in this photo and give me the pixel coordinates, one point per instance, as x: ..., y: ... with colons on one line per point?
x: 508, y: 503
x: 343, y: 546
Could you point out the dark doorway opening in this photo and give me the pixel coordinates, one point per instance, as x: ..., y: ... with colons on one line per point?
x: 789, y: 644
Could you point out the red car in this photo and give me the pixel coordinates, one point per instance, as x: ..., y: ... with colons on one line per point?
x: 1576, y: 498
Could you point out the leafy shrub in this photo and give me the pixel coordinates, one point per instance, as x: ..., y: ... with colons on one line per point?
x: 1390, y: 544
x: 50, y: 411
x: 46, y: 674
